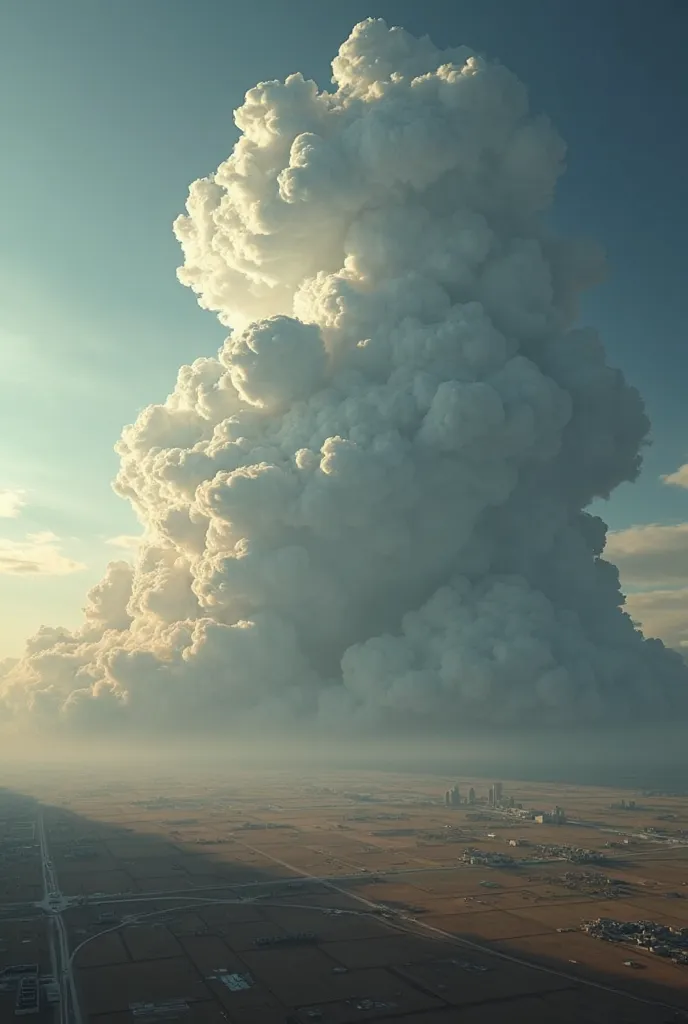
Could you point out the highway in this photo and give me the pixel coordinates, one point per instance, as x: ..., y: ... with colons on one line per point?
x: 68, y: 1010
x: 418, y: 928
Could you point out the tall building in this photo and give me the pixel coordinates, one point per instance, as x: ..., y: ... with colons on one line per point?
x: 491, y: 797
x: 447, y: 798
x: 471, y: 796
x: 455, y: 797
x: 498, y: 793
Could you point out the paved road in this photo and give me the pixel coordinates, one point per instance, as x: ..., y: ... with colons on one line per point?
x: 363, y: 876
x: 416, y: 927
x: 54, y: 902
x: 68, y: 1010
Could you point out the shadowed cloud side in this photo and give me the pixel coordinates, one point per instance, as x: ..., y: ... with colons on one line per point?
x: 368, y: 510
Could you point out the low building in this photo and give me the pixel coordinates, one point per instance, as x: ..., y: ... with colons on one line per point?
x: 28, y: 998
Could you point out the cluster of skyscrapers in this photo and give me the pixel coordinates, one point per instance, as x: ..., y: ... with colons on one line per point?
x: 453, y: 798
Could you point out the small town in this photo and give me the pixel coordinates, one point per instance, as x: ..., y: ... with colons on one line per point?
x: 657, y: 938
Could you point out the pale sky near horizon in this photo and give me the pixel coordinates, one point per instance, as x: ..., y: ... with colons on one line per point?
x: 109, y: 111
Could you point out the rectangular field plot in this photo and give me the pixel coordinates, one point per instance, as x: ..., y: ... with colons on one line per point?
x: 111, y: 988
x: 102, y: 950
x: 465, y: 977
x: 383, y: 952
x: 150, y: 942
x: 496, y: 924
x: 308, y: 981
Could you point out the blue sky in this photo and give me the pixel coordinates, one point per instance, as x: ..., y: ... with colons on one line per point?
x: 109, y: 111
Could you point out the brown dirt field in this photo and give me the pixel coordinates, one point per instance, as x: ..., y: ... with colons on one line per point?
x: 602, y: 1009
x: 204, y: 1013
x: 346, y: 1013
x: 669, y: 912
x: 305, y: 918
x: 113, y: 988
x: 152, y: 867
x: 622, y: 910
x: 328, y: 927
x: 518, y: 1010
x: 296, y: 883
x: 183, y: 924
x: 316, y: 897
x: 436, y: 856
x: 139, y: 848
x: 222, y: 916
x: 461, y: 881
x: 150, y: 942
x: 496, y: 924
x: 112, y: 1018
x: 508, y: 879
x: 382, y: 952
x: 374, y: 860
x: 660, y: 979
x: 209, y: 953
x: 304, y: 977
x: 198, y: 1013
x: 564, y: 915
x: 295, y: 975
x: 383, y: 892
x: 669, y: 871
x: 443, y: 906
x: 447, y: 1016
x: 165, y: 883
x: 249, y: 1004
x: 24, y: 941
x: 76, y: 881
x: 519, y: 917
x: 534, y: 896
x: 243, y: 936
x: 193, y: 865
x: 106, y: 949
x: 449, y: 980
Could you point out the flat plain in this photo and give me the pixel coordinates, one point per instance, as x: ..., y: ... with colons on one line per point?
x: 262, y: 898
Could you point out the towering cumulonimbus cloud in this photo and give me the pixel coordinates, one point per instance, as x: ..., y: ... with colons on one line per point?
x: 370, y: 506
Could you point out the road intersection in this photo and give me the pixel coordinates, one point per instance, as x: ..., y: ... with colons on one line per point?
x: 55, y: 903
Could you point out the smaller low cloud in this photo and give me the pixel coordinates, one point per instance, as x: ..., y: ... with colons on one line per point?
x: 679, y: 478
x: 662, y: 613
x: 38, y: 554
x: 651, y: 555
x: 11, y: 503
x: 125, y: 542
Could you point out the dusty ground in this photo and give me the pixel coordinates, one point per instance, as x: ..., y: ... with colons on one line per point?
x: 372, y: 865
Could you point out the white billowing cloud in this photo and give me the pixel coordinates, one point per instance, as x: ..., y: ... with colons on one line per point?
x: 679, y: 478
x: 663, y: 613
x: 369, y: 508
x: 11, y: 503
x: 39, y: 554
x: 652, y: 555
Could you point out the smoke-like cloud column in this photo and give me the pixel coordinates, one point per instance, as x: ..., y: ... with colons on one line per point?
x: 369, y: 507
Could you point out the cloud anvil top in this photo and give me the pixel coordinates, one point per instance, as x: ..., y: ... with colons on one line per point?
x: 369, y: 508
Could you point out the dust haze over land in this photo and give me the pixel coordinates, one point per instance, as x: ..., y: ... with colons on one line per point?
x: 368, y: 512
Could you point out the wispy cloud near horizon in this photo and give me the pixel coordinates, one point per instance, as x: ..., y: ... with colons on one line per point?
x: 38, y: 554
